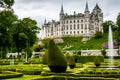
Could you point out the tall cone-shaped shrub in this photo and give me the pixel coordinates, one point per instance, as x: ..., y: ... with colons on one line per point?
x: 97, y: 62
x: 56, y: 60
x: 45, y: 57
x: 71, y: 62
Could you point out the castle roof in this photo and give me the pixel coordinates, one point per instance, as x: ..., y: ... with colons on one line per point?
x: 62, y: 11
x: 86, y: 8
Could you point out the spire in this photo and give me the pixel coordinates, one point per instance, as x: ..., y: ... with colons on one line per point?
x: 45, y: 21
x: 62, y: 11
x: 86, y: 8
x: 97, y: 7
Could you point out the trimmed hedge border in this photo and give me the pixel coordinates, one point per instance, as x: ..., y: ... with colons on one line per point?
x: 82, y: 74
x: 30, y: 72
x: 72, y: 78
x: 84, y: 59
x: 9, y: 74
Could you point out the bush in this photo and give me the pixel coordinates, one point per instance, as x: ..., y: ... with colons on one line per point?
x: 71, y: 62
x: 103, y: 52
x: 45, y: 57
x: 9, y: 74
x: 56, y: 60
x: 84, y: 59
x: 97, y: 62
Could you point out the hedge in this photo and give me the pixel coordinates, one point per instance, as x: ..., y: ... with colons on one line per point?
x: 84, y: 59
x: 9, y: 74
x: 72, y: 78
x: 29, y: 72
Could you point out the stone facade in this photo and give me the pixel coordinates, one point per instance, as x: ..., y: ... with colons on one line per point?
x: 79, y: 24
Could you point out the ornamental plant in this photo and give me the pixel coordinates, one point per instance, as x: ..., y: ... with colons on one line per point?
x: 71, y: 62
x: 97, y: 62
x: 56, y: 60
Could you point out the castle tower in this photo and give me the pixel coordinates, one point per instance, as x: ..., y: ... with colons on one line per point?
x: 87, y: 18
x: 86, y: 8
x: 61, y: 12
x: 97, y: 18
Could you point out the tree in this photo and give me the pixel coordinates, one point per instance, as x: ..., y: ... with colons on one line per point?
x: 6, y: 3
x: 56, y: 59
x: 6, y: 22
x: 97, y: 61
x: 106, y: 26
x: 118, y: 29
x: 71, y: 62
x: 24, y: 34
x: 98, y: 34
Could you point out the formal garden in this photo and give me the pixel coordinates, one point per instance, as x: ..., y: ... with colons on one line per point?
x: 54, y: 65
x: 57, y: 63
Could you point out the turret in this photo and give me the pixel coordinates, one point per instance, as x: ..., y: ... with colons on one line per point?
x: 86, y: 8
x: 61, y: 12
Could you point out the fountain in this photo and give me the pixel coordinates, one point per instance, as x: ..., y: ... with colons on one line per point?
x: 110, y: 48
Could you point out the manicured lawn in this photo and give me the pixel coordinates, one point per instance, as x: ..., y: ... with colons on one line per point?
x: 81, y: 69
x: 25, y: 77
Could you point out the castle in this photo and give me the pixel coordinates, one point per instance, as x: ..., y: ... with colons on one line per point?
x: 79, y: 24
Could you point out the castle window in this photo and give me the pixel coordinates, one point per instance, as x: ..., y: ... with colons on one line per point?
x: 70, y: 21
x: 85, y: 26
x: 78, y: 32
x: 81, y: 31
x: 66, y: 21
x: 74, y: 21
x: 70, y: 27
x: 70, y: 32
x: 66, y: 27
x: 66, y: 32
x: 81, y: 26
x: 78, y: 26
x: 81, y: 20
x: 74, y: 26
x: 74, y: 32
x: 78, y: 21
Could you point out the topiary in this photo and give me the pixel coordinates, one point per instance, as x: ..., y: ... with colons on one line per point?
x: 103, y: 52
x: 71, y: 62
x: 97, y: 62
x: 45, y: 57
x: 56, y: 59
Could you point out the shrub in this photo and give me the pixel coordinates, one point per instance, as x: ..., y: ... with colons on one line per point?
x: 97, y: 62
x: 71, y: 62
x: 56, y: 59
x: 38, y: 48
x: 45, y: 57
x: 84, y: 59
x: 103, y: 52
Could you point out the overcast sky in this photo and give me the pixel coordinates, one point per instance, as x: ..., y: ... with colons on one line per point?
x: 50, y: 9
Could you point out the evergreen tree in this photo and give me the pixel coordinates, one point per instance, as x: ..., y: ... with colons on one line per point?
x: 56, y: 59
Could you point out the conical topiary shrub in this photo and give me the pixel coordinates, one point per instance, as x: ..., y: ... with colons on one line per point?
x: 45, y: 57
x: 56, y: 59
x: 97, y: 62
x: 71, y: 62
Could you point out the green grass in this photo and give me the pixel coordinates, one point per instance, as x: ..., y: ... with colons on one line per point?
x: 25, y: 77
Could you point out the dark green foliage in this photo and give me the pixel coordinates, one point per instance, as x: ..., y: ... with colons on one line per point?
x: 71, y: 62
x: 38, y: 48
x: 29, y: 72
x: 9, y: 74
x: 103, y: 52
x: 84, y: 59
x: 106, y: 25
x: 98, y: 35
x: 56, y: 59
x: 45, y: 57
x: 97, y: 62
x: 118, y: 29
x: 79, y: 53
x: 46, y: 42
